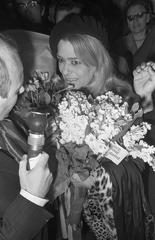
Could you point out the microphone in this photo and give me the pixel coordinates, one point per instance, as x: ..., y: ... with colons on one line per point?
x: 37, y: 123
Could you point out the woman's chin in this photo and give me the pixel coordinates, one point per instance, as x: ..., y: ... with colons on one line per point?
x: 70, y: 86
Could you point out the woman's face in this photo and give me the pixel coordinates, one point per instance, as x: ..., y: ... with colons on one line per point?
x: 73, y: 70
x: 137, y: 18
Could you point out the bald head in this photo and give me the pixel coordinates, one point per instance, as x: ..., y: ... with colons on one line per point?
x: 10, y: 65
x: 11, y: 76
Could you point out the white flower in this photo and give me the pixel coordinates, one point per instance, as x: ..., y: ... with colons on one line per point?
x: 96, y: 123
x: 136, y: 133
x: 98, y: 146
x: 73, y: 129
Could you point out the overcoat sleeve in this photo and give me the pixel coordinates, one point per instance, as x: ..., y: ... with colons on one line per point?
x: 22, y: 220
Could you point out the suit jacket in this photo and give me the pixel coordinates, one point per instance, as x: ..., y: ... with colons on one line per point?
x: 20, y: 219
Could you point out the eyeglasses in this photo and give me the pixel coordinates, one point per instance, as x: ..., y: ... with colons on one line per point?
x: 31, y: 3
x: 136, y: 16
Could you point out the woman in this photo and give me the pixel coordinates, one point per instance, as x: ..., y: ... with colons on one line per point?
x: 118, y: 213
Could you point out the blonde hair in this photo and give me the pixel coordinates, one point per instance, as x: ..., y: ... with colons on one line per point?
x: 92, y: 53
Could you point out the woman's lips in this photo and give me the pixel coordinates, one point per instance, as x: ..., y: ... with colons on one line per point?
x: 70, y: 80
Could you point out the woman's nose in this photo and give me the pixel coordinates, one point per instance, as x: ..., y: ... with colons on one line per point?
x: 66, y: 68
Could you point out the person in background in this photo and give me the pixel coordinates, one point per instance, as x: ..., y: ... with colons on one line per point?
x: 61, y: 9
x: 58, y: 10
x: 153, y: 6
x: 22, y: 192
x: 85, y: 63
x: 137, y: 45
x: 8, y: 16
x: 31, y: 15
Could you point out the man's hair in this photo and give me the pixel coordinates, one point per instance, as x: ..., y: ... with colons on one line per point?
x: 68, y: 4
x: 5, y: 80
x: 144, y: 3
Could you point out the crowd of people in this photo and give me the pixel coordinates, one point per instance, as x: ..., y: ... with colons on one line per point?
x: 94, y: 51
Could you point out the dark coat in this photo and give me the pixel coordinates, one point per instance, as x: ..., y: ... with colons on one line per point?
x: 19, y: 218
x: 149, y: 176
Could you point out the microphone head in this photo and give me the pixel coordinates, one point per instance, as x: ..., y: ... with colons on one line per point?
x: 37, y: 122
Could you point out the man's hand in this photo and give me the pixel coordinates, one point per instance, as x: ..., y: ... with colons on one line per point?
x: 144, y: 80
x: 38, y: 180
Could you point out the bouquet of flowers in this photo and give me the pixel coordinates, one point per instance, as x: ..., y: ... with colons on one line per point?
x: 41, y: 94
x: 39, y: 91
x: 88, y: 130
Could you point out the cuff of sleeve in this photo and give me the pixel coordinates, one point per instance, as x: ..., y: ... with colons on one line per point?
x: 36, y: 200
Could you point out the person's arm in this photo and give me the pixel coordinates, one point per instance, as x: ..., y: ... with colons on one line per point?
x: 144, y: 84
x: 22, y: 220
x: 25, y: 216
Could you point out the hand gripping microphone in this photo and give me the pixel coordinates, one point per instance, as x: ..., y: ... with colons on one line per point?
x: 37, y: 123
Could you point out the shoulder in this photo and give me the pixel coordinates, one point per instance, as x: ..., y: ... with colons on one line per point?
x: 9, y: 180
x: 150, y: 34
x: 152, y: 29
x: 7, y: 162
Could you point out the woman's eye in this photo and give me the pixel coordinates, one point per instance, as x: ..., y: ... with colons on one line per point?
x: 75, y: 62
x: 71, y: 62
x: 60, y: 60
